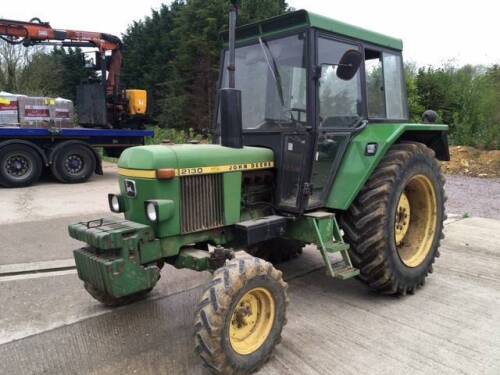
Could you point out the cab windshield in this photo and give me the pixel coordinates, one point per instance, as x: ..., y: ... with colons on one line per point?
x: 271, y: 75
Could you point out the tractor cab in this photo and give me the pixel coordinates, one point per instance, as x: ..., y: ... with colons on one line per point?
x: 308, y: 86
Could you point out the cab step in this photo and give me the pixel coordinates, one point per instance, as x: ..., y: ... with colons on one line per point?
x: 336, y: 247
x: 343, y: 271
x: 329, y: 240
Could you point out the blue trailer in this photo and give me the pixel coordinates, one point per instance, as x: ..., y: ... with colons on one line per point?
x: 71, y: 155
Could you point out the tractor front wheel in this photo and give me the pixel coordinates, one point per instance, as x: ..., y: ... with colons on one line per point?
x: 395, y: 225
x: 241, y: 315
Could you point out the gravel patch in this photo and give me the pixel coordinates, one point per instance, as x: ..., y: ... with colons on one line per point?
x: 473, y: 196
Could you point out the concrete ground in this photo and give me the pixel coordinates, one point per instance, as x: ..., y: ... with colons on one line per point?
x: 472, y: 196
x: 49, y: 325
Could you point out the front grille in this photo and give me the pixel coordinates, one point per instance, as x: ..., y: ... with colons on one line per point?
x: 202, y: 204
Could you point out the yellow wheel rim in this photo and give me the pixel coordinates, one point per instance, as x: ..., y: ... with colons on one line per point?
x: 415, y: 221
x: 252, y: 321
x: 402, y: 222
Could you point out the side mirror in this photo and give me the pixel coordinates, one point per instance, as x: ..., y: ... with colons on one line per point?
x: 430, y: 117
x: 349, y: 64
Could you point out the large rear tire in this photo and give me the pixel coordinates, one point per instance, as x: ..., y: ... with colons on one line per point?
x: 241, y: 316
x: 395, y: 224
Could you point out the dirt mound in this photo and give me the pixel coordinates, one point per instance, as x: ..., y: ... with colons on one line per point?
x: 469, y: 161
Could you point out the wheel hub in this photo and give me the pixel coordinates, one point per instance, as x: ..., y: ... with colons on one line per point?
x: 402, y: 219
x: 416, y: 221
x: 74, y: 164
x: 251, y: 321
x: 17, y: 166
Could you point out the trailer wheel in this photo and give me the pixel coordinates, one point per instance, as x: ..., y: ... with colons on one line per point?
x: 111, y: 301
x: 395, y: 225
x: 241, y: 315
x: 73, y: 164
x: 20, y: 166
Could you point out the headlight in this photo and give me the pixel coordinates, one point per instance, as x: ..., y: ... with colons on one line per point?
x: 152, y: 211
x: 115, y: 203
x: 159, y: 210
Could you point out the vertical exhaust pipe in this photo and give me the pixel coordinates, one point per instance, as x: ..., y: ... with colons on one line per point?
x: 230, y: 98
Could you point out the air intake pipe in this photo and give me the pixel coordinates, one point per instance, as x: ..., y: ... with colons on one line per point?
x: 230, y: 98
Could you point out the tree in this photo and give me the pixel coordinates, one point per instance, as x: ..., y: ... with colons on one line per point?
x: 13, y: 58
x: 73, y: 71
x: 148, y: 52
x: 38, y: 72
x: 41, y: 77
x: 175, y: 54
x: 415, y: 106
x: 197, y: 31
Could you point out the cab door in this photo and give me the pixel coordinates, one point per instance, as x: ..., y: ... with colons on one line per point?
x: 340, y: 113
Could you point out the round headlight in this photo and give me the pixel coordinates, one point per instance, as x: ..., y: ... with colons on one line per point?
x: 115, y: 204
x: 151, y: 212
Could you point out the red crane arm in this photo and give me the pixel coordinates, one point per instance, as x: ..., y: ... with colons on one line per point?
x: 37, y: 32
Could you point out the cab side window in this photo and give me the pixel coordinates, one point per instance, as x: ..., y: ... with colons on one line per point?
x: 375, y: 84
x: 384, y: 85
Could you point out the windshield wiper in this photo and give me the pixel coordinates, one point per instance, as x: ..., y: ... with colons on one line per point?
x: 273, y: 67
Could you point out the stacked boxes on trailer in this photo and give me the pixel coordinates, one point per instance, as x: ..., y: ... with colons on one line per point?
x: 35, y: 112
x: 63, y: 113
x: 9, y: 113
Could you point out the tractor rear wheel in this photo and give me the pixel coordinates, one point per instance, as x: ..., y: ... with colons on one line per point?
x: 395, y: 224
x: 241, y: 315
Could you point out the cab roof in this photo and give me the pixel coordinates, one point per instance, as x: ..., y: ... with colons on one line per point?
x: 302, y: 18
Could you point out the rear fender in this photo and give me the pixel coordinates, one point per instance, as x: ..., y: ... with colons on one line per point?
x: 357, y: 167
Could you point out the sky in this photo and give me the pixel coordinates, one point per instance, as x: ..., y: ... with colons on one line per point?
x: 433, y: 31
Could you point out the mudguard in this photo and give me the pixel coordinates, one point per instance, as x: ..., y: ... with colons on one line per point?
x: 357, y: 166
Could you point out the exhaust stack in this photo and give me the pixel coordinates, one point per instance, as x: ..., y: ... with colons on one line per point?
x: 230, y: 98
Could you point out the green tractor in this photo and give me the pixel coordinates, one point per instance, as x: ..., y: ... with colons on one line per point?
x: 314, y: 146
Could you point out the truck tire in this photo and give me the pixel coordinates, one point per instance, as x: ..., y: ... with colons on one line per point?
x: 73, y: 164
x: 395, y: 225
x: 241, y: 315
x: 20, y: 166
x: 277, y: 250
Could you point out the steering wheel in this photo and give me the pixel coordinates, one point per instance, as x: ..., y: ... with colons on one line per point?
x: 296, y: 122
x: 298, y: 110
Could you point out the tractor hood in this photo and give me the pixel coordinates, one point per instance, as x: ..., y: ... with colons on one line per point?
x: 214, y: 171
x: 181, y: 157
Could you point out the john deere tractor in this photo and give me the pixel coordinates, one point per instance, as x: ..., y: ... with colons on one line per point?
x: 313, y: 146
